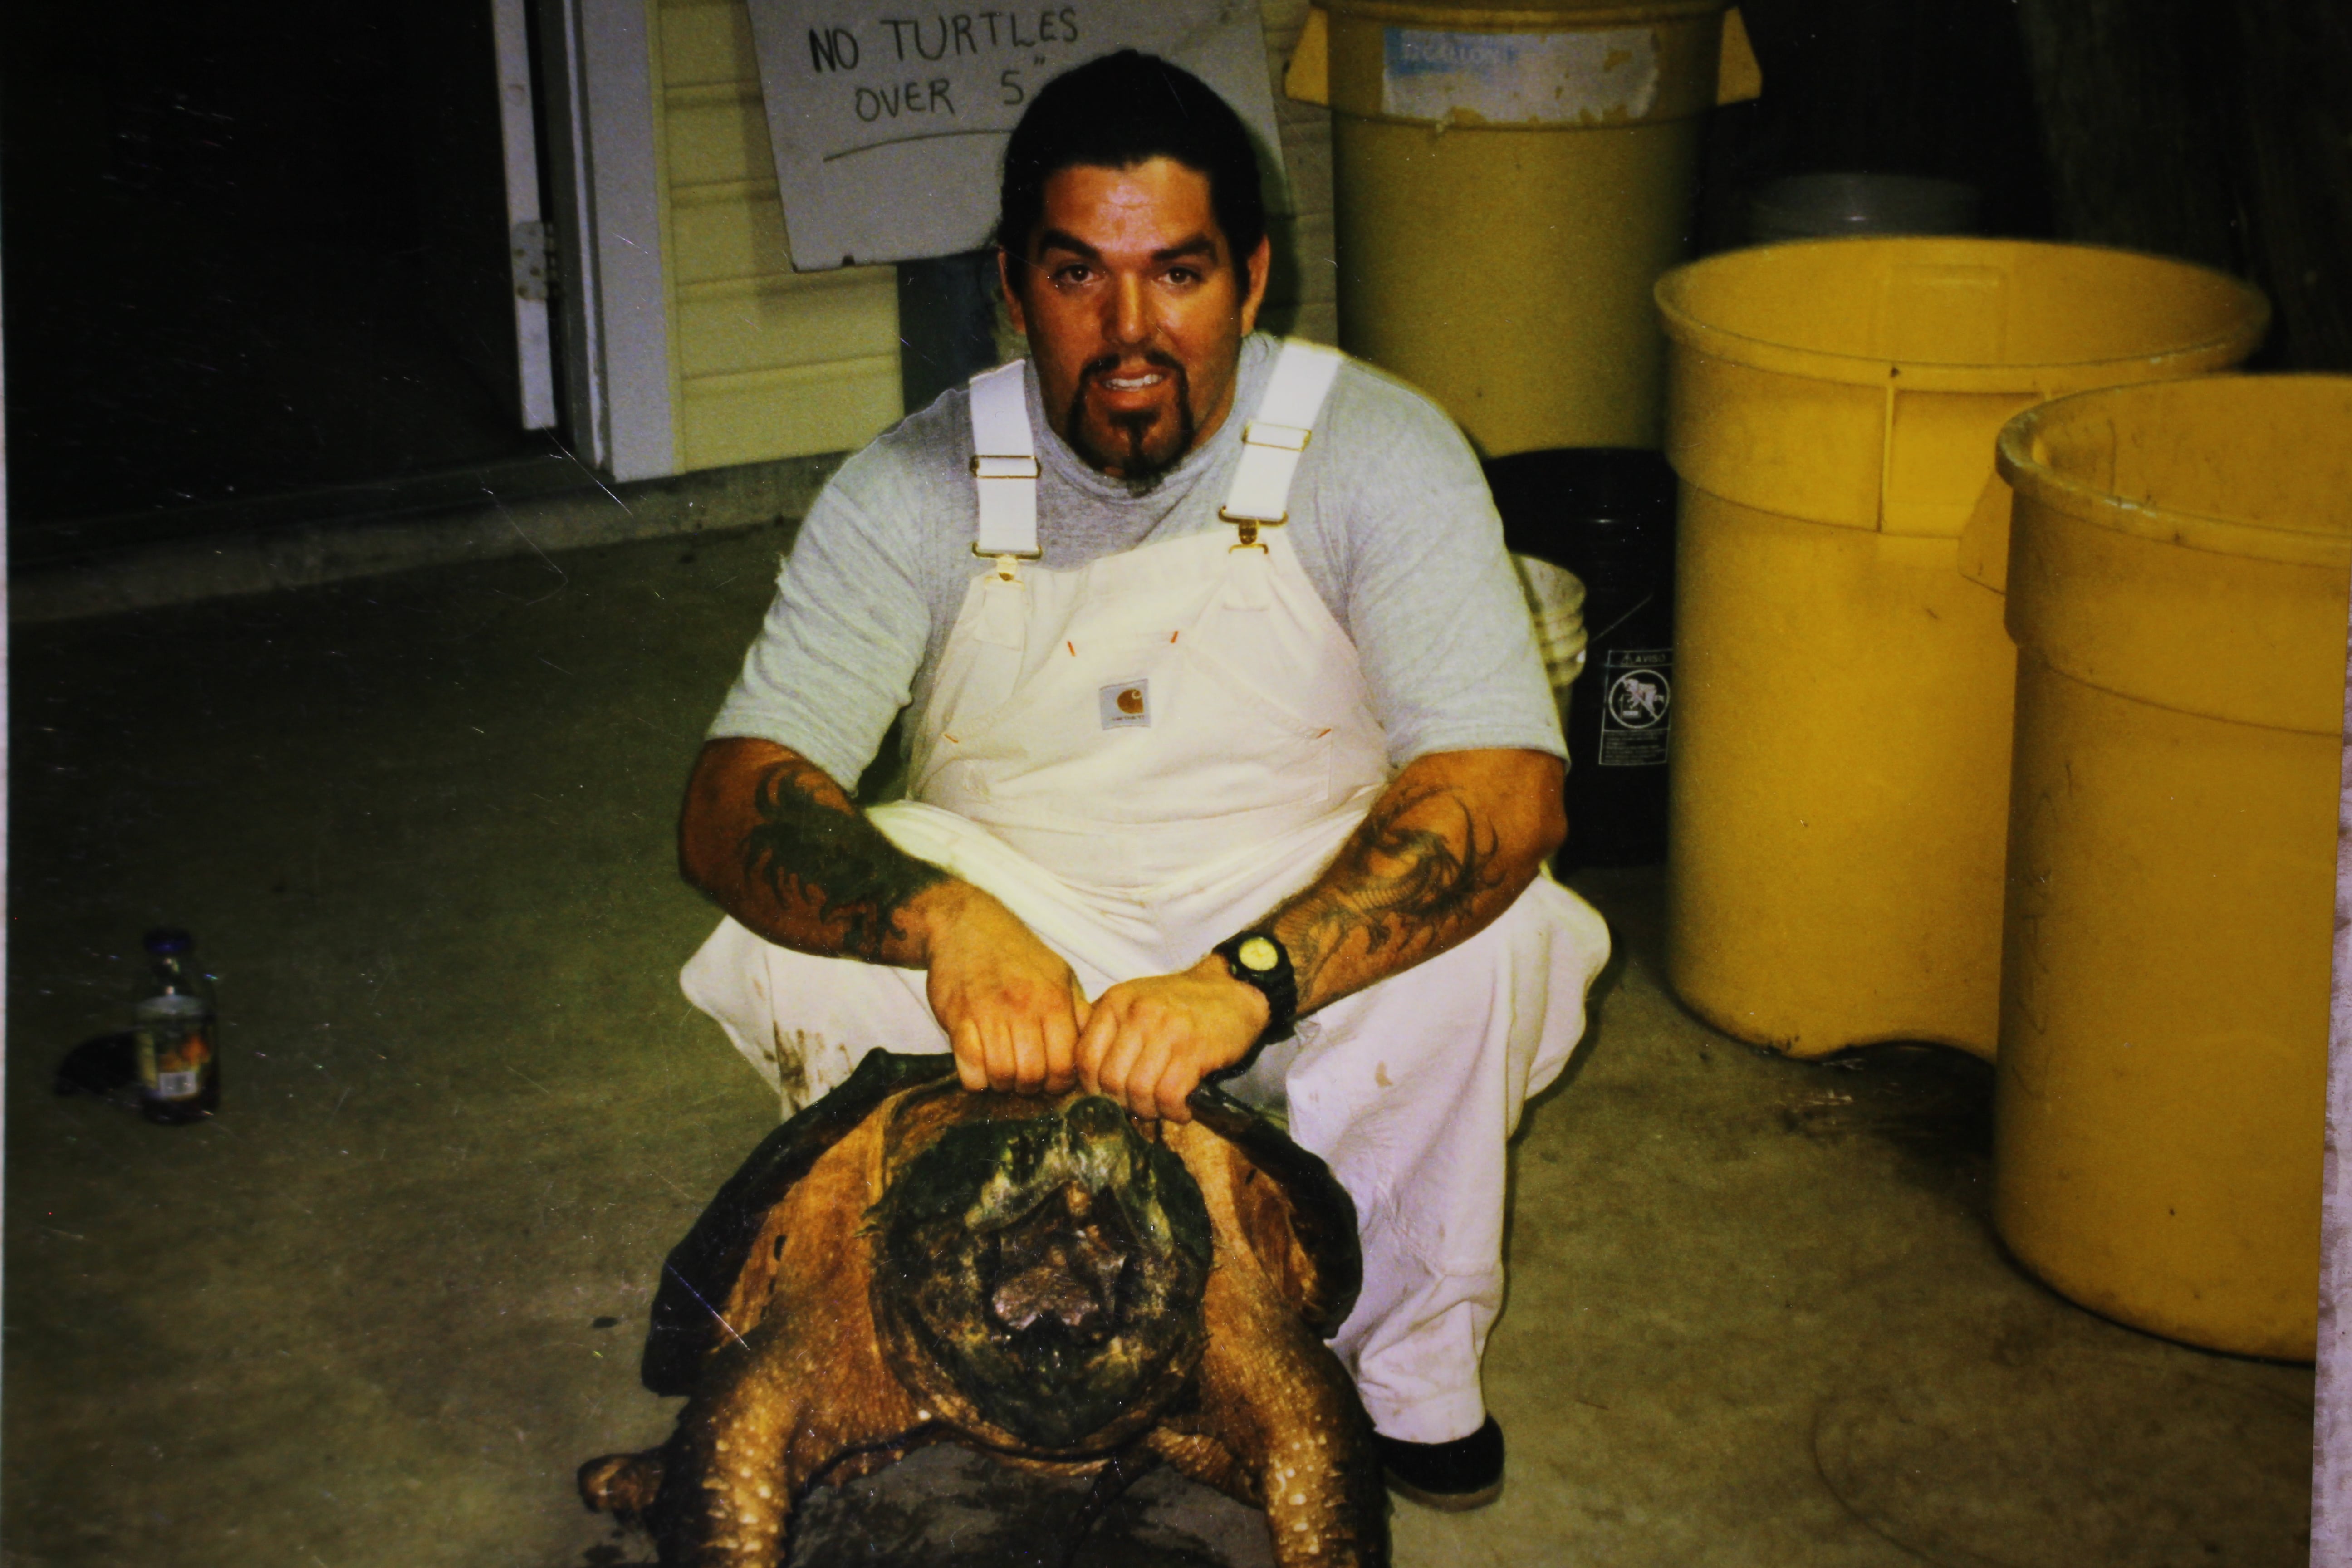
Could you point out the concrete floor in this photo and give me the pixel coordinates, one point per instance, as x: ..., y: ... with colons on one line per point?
x: 377, y: 1311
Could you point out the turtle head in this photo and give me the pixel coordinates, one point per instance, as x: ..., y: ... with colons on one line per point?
x: 1047, y: 1267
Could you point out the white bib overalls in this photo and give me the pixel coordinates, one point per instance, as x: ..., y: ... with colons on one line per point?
x: 1145, y: 755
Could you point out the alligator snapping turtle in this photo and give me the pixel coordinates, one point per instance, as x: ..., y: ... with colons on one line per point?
x: 905, y: 1262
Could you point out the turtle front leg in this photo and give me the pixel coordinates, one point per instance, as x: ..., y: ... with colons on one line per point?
x: 623, y: 1485
x: 1277, y: 1400
x: 772, y: 1414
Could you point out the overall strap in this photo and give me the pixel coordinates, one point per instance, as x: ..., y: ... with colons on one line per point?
x: 1004, y: 467
x: 1273, y: 441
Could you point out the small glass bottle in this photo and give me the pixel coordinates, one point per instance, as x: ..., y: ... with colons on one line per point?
x: 177, y: 1033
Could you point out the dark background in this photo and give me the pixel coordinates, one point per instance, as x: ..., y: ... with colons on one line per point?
x: 2219, y: 133
x: 252, y: 246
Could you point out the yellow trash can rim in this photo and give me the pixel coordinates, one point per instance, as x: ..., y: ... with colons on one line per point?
x: 1711, y: 306
x: 2064, y: 454
x: 1483, y: 16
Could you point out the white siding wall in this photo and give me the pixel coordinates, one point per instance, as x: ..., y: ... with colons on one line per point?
x: 767, y: 363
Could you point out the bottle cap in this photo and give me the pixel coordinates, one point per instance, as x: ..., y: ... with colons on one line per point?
x: 164, y: 940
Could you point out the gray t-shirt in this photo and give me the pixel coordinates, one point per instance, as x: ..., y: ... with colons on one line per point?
x: 1389, y: 515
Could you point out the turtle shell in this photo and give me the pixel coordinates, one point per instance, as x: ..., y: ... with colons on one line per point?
x: 1326, y: 1254
x: 700, y: 1271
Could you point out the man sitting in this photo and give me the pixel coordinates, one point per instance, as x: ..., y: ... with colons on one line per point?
x: 1227, y: 744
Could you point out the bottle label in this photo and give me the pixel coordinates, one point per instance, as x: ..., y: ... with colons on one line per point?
x: 172, y: 1062
x: 1636, y: 706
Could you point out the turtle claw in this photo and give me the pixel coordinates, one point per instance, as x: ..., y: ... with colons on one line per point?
x: 622, y: 1484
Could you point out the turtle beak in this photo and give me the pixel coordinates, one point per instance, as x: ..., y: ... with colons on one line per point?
x: 1064, y: 1262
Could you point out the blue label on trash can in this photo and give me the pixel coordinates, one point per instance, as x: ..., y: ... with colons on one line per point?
x: 1587, y: 75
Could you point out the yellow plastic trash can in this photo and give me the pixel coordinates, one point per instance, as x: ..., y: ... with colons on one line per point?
x: 1507, y: 183
x: 2179, y: 566
x: 1839, y: 774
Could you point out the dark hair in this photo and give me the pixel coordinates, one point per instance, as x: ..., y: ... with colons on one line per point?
x: 1119, y: 111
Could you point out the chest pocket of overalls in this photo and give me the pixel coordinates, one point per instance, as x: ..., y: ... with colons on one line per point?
x: 1119, y: 722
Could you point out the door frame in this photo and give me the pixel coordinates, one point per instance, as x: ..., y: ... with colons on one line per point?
x: 526, y: 235
x: 612, y: 307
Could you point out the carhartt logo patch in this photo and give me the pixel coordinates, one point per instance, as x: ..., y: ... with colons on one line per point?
x: 1125, y: 704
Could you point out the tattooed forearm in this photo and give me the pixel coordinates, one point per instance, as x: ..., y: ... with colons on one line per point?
x: 822, y: 861
x: 1410, y: 882
x: 1449, y: 844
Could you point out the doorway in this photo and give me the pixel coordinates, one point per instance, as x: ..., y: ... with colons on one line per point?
x: 257, y: 264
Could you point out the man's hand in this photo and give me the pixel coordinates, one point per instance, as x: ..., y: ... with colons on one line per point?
x: 1012, y: 1008
x: 1151, y: 1041
x: 784, y: 850
x: 1452, y: 840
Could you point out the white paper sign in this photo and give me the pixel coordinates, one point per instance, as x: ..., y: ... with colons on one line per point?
x: 889, y: 120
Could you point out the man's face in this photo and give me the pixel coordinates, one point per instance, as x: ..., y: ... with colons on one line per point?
x: 1135, y: 308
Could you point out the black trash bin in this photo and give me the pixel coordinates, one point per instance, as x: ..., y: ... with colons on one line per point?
x: 1607, y: 514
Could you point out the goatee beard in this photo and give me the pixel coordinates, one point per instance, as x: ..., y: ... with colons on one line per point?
x: 1139, y: 471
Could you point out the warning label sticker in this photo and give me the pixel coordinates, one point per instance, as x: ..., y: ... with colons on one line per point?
x: 1636, y: 707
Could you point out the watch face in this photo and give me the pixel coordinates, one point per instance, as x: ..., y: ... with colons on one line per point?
x: 1259, y: 954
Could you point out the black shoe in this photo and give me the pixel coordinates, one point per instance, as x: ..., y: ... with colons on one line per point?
x: 1459, y: 1476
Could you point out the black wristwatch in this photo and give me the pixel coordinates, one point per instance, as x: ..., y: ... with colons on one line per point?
x: 1258, y: 958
